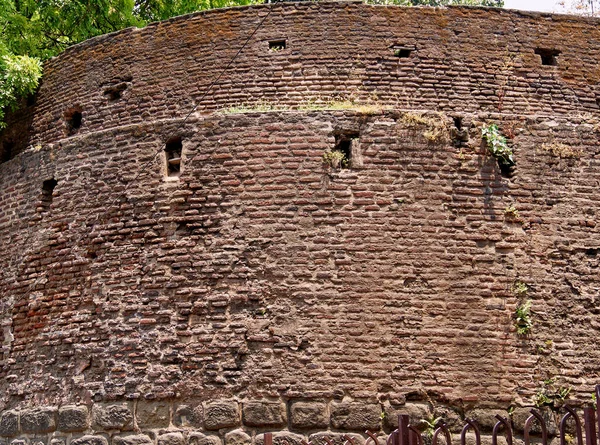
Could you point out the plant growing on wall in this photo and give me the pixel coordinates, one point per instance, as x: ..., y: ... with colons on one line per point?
x: 335, y: 159
x: 523, y: 320
x: 511, y: 213
x: 430, y: 424
x: 520, y: 289
x: 436, y: 130
x: 497, y: 145
x: 550, y: 394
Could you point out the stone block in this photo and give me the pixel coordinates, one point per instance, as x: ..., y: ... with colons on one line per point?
x: 133, y: 439
x: 38, y: 420
x: 520, y: 415
x: 485, y: 418
x: 453, y: 419
x: 355, y: 416
x: 281, y: 438
x: 73, y: 418
x: 9, y: 423
x: 20, y: 441
x: 174, y: 438
x: 188, y: 416
x: 90, y: 440
x: 221, y: 414
x: 58, y: 441
x: 264, y: 414
x: 487, y: 440
x: 336, y: 438
x: 417, y: 412
x: 309, y: 415
x: 149, y: 414
x: 112, y: 417
x: 237, y: 437
x: 203, y: 439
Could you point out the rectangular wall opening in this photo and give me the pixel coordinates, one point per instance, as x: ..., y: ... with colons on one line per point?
x: 7, y: 151
x: 173, y: 149
x: 47, y: 194
x: 346, y: 149
x: 548, y: 56
x: 73, y: 120
x: 277, y: 45
x: 402, y: 51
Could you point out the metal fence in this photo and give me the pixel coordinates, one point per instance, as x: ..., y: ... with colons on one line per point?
x: 407, y: 434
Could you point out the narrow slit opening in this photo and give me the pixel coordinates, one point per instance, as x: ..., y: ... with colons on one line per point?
x: 47, y: 194
x: 7, y: 151
x: 173, y: 149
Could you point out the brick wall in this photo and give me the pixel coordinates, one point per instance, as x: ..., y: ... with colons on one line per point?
x: 262, y: 274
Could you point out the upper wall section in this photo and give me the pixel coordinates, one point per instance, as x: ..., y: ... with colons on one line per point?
x: 452, y: 60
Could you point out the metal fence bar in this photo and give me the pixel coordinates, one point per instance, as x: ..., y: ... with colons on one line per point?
x: 563, y: 426
x: 502, y: 422
x: 442, y: 429
x: 527, y: 428
x: 470, y: 425
x: 598, y: 406
x: 415, y: 434
x: 589, y: 419
x: 403, y: 431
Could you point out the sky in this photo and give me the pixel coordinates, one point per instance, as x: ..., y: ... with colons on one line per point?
x: 534, y: 5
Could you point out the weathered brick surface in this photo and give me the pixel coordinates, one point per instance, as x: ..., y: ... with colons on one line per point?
x: 263, y: 274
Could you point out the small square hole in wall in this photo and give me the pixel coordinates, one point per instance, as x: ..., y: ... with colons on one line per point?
x: 115, y: 92
x: 73, y: 120
x: 47, y: 192
x: 277, y: 45
x: 548, y: 56
x: 173, y: 156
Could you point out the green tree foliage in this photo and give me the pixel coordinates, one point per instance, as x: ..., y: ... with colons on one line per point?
x: 19, y: 76
x: 154, y: 10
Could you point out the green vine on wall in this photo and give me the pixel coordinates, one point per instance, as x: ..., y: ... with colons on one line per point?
x: 497, y: 145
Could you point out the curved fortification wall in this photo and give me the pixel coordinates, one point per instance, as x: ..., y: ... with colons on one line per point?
x: 205, y: 280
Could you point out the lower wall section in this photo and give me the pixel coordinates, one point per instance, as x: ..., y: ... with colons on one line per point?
x: 230, y: 422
